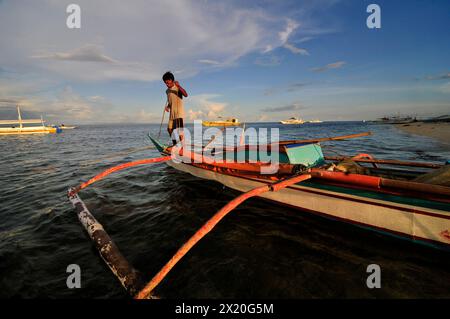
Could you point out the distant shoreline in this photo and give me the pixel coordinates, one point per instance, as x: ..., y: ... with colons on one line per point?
x: 438, y: 131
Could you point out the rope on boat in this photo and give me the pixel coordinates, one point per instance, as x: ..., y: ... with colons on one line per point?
x: 210, y: 224
x: 115, y: 169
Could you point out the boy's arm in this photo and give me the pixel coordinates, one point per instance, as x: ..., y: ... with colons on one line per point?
x: 183, y: 91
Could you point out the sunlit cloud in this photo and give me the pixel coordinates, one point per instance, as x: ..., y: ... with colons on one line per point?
x: 87, y: 53
x: 103, y: 49
x: 204, y: 106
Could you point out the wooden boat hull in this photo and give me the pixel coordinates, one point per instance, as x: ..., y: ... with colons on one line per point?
x: 218, y: 123
x: 27, y: 130
x: 353, y: 198
x: 420, y: 224
x: 17, y: 127
x: 291, y: 122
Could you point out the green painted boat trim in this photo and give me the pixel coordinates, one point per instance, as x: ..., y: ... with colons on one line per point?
x: 380, y: 196
x: 159, y: 146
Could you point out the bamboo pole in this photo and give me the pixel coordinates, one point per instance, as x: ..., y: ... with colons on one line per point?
x: 379, y: 161
x: 323, y: 139
x: 19, y: 116
x: 127, y: 275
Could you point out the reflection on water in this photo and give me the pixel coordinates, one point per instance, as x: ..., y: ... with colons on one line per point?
x: 259, y: 250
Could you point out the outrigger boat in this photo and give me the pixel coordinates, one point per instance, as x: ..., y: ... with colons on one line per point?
x: 227, y: 122
x: 382, y: 199
x: 409, y: 203
x: 292, y: 120
x: 21, y: 127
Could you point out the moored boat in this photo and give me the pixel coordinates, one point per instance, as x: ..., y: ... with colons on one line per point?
x: 21, y: 127
x: 389, y: 200
x: 293, y: 120
x: 66, y: 127
x: 227, y: 122
x: 395, y: 120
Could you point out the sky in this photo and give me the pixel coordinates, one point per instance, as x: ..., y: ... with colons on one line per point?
x: 261, y: 60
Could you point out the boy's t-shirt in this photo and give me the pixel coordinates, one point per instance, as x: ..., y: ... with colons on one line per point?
x: 175, y: 103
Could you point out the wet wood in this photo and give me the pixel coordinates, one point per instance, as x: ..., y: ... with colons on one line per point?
x: 121, y: 268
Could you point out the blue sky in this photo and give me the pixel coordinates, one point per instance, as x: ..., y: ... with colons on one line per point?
x: 255, y: 60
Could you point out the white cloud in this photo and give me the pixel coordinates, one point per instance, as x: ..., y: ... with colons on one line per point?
x: 295, y: 50
x: 68, y: 106
x: 134, y: 42
x: 211, y: 62
x: 87, y: 53
x: 304, y: 39
x: 290, y: 27
x: 203, y: 106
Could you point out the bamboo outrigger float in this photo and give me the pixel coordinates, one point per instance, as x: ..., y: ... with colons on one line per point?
x: 389, y: 200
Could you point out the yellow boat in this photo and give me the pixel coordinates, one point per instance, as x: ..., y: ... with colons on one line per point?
x: 228, y: 122
x: 8, y: 127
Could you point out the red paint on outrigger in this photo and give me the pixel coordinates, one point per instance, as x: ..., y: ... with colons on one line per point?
x: 210, y: 224
x: 445, y: 234
x: 118, y: 168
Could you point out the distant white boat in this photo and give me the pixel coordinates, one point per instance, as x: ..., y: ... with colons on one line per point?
x: 293, y: 120
x: 65, y: 127
x: 10, y: 127
x: 315, y: 121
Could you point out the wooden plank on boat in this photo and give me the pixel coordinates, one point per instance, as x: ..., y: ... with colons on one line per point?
x: 29, y: 121
x: 388, y: 162
x: 323, y: 139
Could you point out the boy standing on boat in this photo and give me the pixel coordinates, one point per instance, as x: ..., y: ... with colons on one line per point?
x: 174, y: 104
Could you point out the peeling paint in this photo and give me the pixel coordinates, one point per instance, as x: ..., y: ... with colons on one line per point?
x: 127, y: 275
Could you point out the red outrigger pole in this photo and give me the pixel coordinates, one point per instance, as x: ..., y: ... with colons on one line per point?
x: 128, y: 276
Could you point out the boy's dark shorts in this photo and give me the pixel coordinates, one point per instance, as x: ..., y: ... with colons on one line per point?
x: 176, y: 123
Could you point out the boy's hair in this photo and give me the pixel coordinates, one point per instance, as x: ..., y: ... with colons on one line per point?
x: 168, y: 76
